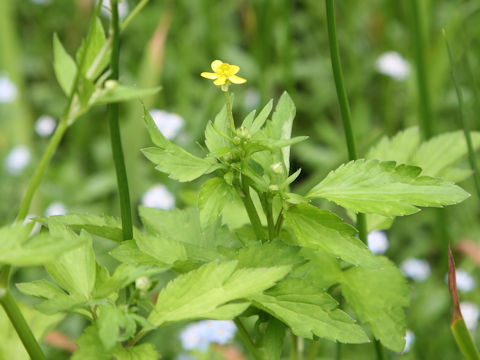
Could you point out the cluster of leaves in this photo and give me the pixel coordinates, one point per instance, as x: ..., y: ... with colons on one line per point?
x: 285, y: 265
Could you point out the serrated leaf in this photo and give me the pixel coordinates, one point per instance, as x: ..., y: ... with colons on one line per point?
x: 378, y: 297
x: 268, y: 254
x: 75, y: 270
x: 129, y: 253
x: 172, y: 159
x: 201, y: 291
x: 145, y: 351
x: 104, y: 226
x: 212, y: 198
x: 119, y: 93
x: 309, y: 311
x: 399, y: 148
x: 441, y: 152
x: 18, y: 249
x: 90, y: 346
x: 247, y: 122
x: 322, y: 270
x: 64, y: 66
x: 321, y: 229
x: 371, y: 186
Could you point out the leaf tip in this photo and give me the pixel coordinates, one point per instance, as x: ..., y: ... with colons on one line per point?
x: 452, y: 287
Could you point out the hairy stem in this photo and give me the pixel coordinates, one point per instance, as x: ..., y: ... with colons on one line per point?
x: 116, y: 141
x: 247, y: 340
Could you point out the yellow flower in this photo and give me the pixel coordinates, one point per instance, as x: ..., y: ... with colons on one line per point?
x: 223, y: 74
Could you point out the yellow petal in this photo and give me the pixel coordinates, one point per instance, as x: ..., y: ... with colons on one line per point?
x: 220, y: 81
x: 216, y: 64
x: 237, y: 79
x: 209, y: 75
x: 235, y: 69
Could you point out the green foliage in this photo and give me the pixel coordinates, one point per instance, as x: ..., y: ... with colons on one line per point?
x: 64, y: 66
x: 19, y: 249
x: 309, y: 311
x: 172, y: 159
x: 208, y: 290
x: 321, y: 229
x: 378, y: 297
x: 371, y: 186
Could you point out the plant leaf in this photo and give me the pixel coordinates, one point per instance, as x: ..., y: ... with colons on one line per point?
x: 309, y: 311
x: 321, y: 229
x: 64, y: 66
x: 214, y: 194
x: 119, y: 93
x: 378, y: 297
x: 371, y: 186
x: 202, y: 291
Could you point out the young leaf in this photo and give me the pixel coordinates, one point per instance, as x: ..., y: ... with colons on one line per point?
x: 321, y: 229
x: 268, y: 254
x: 129, y: 253
x: 272, y: 341
x: 247, y: 122
x: 371, y: 186
x: 203, y: 291
x: 90, y: 346
x: 261, y: 118
x: 280, y: 127
x: 214, y: 194
x: 215, y: 142
x: 172, y: 159
x: 309, y: 311
x: 64, y: 66
x: 95, y: 47
x: 378, y: 297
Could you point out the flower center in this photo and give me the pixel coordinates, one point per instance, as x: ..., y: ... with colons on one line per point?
x: 225, y: 70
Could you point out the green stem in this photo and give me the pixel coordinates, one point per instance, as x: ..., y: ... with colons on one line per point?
x: 251, y: 210
x: 40, y: 170
x: 116, y: 141
x: 295, y: 354
x: 229, y: 112
x: 279, y: 223
x: 243, y: 333
x: 268, y: 209
x: 380, y: 350
x: 465, y: 124
x: 312, y: 352
x: 133, y: 14
x: 20, y: 325
x: 343, y: 102
x: 464, y: 340
x: 419, y: 46
x: 338, y: 351
x: 339, y: 83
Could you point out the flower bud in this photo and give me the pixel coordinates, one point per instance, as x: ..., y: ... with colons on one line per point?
x: 277, y: 168
x: 110, y: 84
x: 143, y: 283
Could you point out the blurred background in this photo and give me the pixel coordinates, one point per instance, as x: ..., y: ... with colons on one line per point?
x: 279, y: 45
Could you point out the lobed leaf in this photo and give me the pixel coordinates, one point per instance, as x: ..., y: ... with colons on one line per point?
x: 321, y: 229
x: 372, y: 186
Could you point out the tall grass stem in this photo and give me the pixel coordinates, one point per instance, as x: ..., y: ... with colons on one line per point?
x: 116, y: 141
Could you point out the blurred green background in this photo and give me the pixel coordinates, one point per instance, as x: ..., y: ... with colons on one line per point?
x: 279, y: 45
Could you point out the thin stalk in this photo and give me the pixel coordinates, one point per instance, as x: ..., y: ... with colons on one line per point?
x: 133, y: 13
x: 419, y: 46
x: 343, y: 102
x: 380, y: 350
x: 279, y: 223
x: 295, y: 354
x: 268, y: 209
x: 312, y: 352
x: 116, y: 141
x: 464, y: 121
x: 251, y: 210
x: 229, y: 112
x: 247, y: 340
x: 20, y: 325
